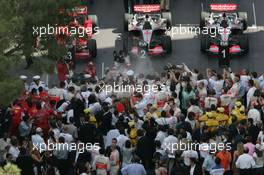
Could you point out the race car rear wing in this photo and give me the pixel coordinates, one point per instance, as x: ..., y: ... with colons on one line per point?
x: 149, y: 8
x: 223, y: 7
x: 79, y: 10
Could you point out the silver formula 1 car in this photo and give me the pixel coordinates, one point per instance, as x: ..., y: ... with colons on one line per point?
x: 147, y: 28
x: 225, y: 31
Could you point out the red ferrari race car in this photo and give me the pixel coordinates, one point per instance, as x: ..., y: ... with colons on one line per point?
x: 223, y: 31
x: 147, y: 28
x: 77, y: 34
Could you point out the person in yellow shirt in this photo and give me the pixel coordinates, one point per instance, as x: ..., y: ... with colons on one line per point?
x: 212, y: 123
x: 88, y: 113
x: 209, y: 118
x: 147, y: 116
x: 154, y: 112
x: 132, y: 131
x: 239, y: 111
x: 221, y: 117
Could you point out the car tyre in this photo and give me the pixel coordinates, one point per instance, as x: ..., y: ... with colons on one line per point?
x: 167, y: 16
x: 244, y: 43
x: 167, y: 44
x: 204, y: 15
x: 92, y: 46
x: 127, y: 18
x: 205, y: 43
x: 244, y: 17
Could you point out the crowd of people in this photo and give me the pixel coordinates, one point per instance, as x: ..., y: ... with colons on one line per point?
x: 190, y: 123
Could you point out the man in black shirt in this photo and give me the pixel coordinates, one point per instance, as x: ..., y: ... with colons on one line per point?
x: 87, y: 131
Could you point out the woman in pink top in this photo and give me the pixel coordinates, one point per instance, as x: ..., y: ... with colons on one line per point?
x: 249, y: 145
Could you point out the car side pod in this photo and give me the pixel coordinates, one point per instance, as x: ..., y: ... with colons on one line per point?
x: 214, y: 49
x: 235, y: 49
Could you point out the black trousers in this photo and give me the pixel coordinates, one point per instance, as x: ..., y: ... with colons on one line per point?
x: 206, y: 172
x: 258, y: 171
x: 245, y: 171
x: 63, y: 166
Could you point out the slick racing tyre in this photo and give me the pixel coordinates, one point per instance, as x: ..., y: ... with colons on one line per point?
x: 127, y: 18
x: 125, y: 5
x: 244, y: 43
x: 244, y: 17
x: 167, y: 44
x: 127, y: 44
x: 92, y: 46
x: 204, y: 15
x: 167, y: 16
x: 205, y: 43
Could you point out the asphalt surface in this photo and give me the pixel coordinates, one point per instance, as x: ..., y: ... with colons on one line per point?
x: 186, y: 48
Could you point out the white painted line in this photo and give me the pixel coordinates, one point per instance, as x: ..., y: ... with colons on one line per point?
x: 254, y: 14
x: 185, y: 25
x: 252, y: 27
x: 102, y: 69
x: 202, y: 7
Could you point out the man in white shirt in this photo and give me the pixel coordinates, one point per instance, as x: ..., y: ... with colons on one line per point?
x: 95, y: 107
x: 170, y: 143
x: 162, y: 134
x: 195, y: 109
x: 255, y: 115
x: 37, y: 140
x: 163, y: 119
x: 244, y: 78
x: 261, y: 137
x: 138, y: 122
x: 140, y: 106
x: 187, y: 154
x: 121, y: 139
x: 134, y: 169
x: 234, y: 90
x: 59, y: 92
x: 101, y: 163
x: 4, y: 142
x: 245, y: 163
x: 67, y: 137
x: 37, y: 83
x: 217, y: 84
x: 72, y: 129
x: 14, y: 150
x: 113, y: 133
x: 251, y: 91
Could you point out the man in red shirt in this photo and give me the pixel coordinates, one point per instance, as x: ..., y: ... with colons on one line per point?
x: 225, y: 157
x: 41, y: 118
x: 17, y: 114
